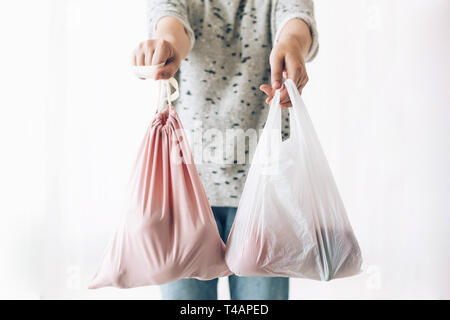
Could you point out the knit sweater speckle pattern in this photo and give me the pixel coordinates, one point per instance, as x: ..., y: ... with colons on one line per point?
x: 220, y: 105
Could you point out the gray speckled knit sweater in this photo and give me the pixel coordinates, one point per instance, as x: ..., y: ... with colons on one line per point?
x: 219, y: 80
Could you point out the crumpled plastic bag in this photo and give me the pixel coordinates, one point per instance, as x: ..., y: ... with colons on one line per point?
x: 291, y: 220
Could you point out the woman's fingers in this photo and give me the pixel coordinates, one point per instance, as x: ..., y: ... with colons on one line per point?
x: 143, y: 53
x: 286, y: 105
x: 133, y: 58
x: 284, y: 95
x: 163, y: 52
x: 266, y: 89
x: 148, y: 56
x: 303, y: 83
x: 140, y: 58
x: 276, y: 68
x: 295, y: 69
x: 152, y: 52
x: 167, y: 71
x: 285, y: 101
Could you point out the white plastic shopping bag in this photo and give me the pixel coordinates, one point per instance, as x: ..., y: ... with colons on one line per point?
x: 291, y: 220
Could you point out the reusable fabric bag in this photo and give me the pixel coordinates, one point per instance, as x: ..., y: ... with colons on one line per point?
x: 168, y: 230
x: 291, y: 220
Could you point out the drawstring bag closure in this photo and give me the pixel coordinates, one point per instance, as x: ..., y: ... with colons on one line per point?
x: 148, y: 72
x: 170, y: 96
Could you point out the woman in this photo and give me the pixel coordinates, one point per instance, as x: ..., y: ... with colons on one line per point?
x: 222, y: 51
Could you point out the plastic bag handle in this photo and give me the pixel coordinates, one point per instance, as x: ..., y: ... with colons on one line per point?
x: 299, y: 118
x: 274, y: 112
x: 273, y: 121
x: 148, y: 72
x: 302, y: 128
x: 297, y: 107
x: 268, y: 140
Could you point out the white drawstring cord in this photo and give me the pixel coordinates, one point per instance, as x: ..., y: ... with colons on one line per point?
x: 148, y: 72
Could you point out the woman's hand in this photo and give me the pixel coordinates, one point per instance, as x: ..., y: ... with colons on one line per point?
x: 170, y: 45
x: 287, y: 60
x: 151, y: 52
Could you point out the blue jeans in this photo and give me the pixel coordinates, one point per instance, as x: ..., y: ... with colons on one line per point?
x: 241, y: 288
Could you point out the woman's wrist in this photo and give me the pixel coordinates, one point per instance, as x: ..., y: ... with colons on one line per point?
x: 294, y: 44
x: 173, y: 31
x: 296, y: 35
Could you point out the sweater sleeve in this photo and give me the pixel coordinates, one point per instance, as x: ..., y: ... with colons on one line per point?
x: 156, y: 9
x: 285, y: 10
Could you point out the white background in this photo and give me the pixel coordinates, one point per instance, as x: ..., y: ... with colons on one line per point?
x: 72, y: 116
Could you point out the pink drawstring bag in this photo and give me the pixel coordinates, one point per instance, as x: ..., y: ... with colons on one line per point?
x: 168, y: 230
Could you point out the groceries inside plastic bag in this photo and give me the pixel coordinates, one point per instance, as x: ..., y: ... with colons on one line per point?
x: 291, y: 220
x: 167, y: 230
